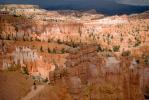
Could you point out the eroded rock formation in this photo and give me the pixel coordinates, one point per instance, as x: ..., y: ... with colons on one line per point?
x: 113, y: 79
x: 112, y: 62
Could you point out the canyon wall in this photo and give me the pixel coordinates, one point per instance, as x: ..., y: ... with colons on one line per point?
x: 104, y: 58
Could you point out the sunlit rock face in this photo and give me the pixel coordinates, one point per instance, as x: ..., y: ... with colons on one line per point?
x: 107, y: 31
x: 74, y: 86
x: 24, y: 54
x: 99, y: 58
x: 13, y: 55
x: 145, y: 81
x: 57, y: 22
x: 56, y: 26
x: 25, y: 57
x: 120, y: 78
x: 32, y: 56
x: 84, y: 65
x: 112, y: 65
x: 85, y: 60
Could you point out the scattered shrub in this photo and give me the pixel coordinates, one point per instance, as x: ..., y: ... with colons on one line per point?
x: 137, y: 61
x: 146, y: 59
x: 49, y: 51
x: 99, y: 48
x: 116, y: 48
x: 54, y: 51
x: 59, y: 41
x: 25, y: 70
x: 63, y: 51
x: 41, y: 49
x: 138, y: 42
x: 45, y: 80
x: 126, y: 53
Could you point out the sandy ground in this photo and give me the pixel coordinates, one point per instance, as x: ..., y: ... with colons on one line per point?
x: 14, y: 85
x: 56, y: 92
x: 33, y: 92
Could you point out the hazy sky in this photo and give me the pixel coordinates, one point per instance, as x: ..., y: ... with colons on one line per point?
x: 106, y: 6
x: 133, y: 2
x: 44, y: 2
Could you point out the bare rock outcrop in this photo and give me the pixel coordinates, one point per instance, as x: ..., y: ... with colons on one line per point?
x: 114, y: 78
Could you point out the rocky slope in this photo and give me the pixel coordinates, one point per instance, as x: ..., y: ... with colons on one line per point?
x: 81, y: 48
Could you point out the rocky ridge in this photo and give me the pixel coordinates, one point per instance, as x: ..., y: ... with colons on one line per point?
x: 82, y: 47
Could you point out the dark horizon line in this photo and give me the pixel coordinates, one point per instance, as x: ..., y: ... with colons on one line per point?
x: 119, y: 9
